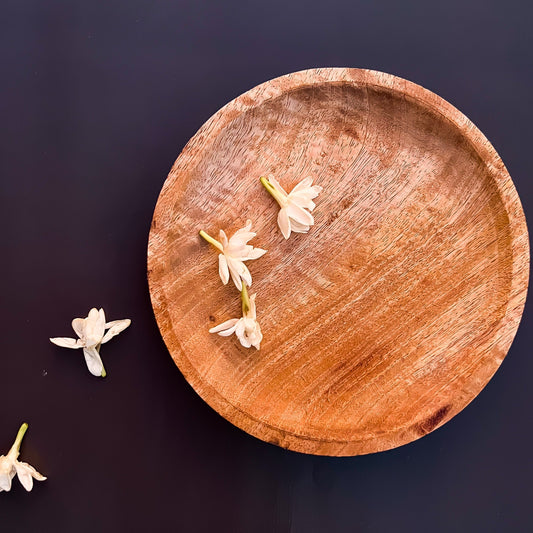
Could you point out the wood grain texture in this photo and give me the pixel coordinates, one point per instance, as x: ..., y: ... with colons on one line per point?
x: 395, y: 310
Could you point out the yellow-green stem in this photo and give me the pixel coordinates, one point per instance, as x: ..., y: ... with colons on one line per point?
x: 245, y: 300
x: 279, y: 197
x: 210, y: 240
x: 20, y: 436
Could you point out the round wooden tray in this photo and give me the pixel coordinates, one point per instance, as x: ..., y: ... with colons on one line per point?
x: 395, y: 310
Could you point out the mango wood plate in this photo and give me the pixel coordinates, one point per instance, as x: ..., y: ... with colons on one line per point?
x: 395, y: 310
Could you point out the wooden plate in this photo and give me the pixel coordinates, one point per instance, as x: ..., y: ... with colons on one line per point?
x: 395, y: 310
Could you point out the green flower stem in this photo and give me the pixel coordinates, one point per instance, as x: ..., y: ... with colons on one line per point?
x: 245, y: 300
x: 18, y: 441
x: 279, y: 197
x: 210, y: 240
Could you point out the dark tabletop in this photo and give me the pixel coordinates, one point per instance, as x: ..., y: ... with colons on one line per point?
x: 97, y: 100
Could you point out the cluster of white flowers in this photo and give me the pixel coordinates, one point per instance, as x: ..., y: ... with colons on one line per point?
x: 93, y: 330
x: 294, y: 215
x: 234, y: 252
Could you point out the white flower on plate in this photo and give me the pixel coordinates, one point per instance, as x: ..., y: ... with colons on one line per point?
x: 9, y: 466
x: 246, y: 328
x: 296, y: 206
x: 235, y: 251
x: 92, y: 334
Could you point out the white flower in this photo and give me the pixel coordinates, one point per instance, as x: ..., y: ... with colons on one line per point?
x: 296, y: 206
x: 9, y: 466
x: 91, y: 333
x: 246, y: 328
x: 235, y: 251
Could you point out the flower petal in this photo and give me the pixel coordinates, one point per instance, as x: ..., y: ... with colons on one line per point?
x: 242, y: 331
x: 237, y: 242
x: 115, y: 327
x: 113, y: 323
x: 26, y: 473
x: 256, y: 253
x: 101, y: 319
x: 7, y: 472
x: 236, y: 280
x: 247, y: 252
x: 235, y: 271
x: 304, y: 184
x: 5, y: 482
x: 245, y: 275
x: 247, y: 229
x: 307, y: 192
x: 245, y: 341
x: 239, y: 330
x: 227, y: 332
x: 78, y: 325
x: 252, y: 333
x: 94, y: 327
x: 66, y: 342
x: 229, y: 324
x: 25, y: 478
x: 299, y: 214
x: 93, y: 360
x: 299, y: 228
x: 303, y: 201
x: 241, y: 237
x: 223, y: 238
x: 256, y: 337
x: 283, y: 223
x: 223, y: 270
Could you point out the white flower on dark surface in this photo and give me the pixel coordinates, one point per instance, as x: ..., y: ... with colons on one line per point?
x: 10, y: 466
x: 92, y: 334
x: 296, y: 206
x: 246, y: 328
x: 235, y: 251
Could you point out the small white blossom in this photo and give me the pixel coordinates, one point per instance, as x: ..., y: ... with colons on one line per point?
x: 9, y: 466
x: 296, y: 206
x: 92, y: 334
x: 235, y: 251
x: 246, y: 328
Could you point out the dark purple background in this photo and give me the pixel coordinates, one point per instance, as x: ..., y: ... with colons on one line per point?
x: 97, y: 100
